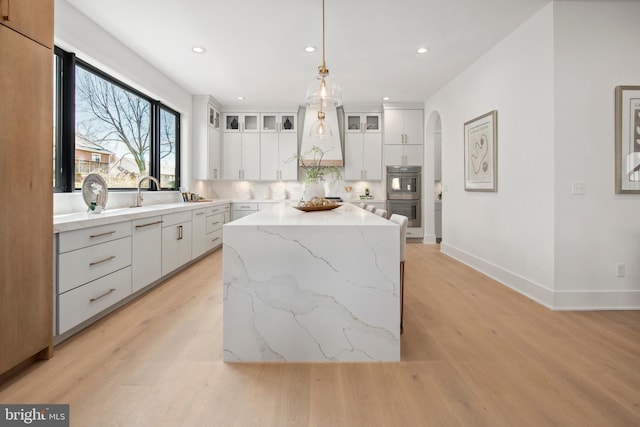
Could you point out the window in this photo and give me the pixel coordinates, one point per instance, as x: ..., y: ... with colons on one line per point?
x: 106, y: 127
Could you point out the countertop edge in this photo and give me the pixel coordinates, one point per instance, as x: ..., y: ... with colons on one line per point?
x: 77, y: 221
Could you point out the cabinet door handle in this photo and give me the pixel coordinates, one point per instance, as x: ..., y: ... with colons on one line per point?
x: 94, y: 263
x: 103, y: 295
x: 5, y: 16
x: 106, y: 233
x: 179, y: 232
x: 150, y: 224
x: 215, y: 173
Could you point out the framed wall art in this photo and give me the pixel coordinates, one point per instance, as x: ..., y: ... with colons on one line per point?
x: 627, y: 135
x: 481, y: 153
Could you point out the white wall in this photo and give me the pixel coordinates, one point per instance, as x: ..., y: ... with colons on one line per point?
x: 75, y: 32
x: 552, y: 82
x: 508, y: 235
x: 597, y: 47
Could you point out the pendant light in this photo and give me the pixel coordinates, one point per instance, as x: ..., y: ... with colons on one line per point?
x: 323, y: 92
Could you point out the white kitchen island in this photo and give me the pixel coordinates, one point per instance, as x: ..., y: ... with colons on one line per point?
x: 311, y: 286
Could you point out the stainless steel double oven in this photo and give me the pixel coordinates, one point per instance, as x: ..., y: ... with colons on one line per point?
x: 404, y: 193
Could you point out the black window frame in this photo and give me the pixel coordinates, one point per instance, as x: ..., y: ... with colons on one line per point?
x: 64, y: 169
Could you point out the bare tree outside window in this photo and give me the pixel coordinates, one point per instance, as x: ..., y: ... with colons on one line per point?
x: 168, y: 134
x: 116, y: 124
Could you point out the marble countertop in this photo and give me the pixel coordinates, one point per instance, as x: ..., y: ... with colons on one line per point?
x: 285, y: 214
x: 76, y: 221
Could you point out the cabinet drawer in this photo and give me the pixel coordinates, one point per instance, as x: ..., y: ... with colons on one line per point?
x: 72, y: 240
x: 215, y: 222
x: 80, y: 304
x: 84, y: 265
x: 214, y: 239
x: 249, y: 206
x: 198, y: 213
x: 217, y: 209
x: 176, y: 218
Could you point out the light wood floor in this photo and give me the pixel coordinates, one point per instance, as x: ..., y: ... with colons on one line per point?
x: 473, y: 353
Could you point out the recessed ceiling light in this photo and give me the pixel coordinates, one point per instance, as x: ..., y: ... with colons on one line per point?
x: 385, y: 98
x: 240, y: 98
x: 310, y: 49
x: 198, y: 49
x: 423, y: 50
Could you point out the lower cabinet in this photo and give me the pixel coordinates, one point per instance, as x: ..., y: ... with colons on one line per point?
x: 146, y: 252
x: 176, y: 241
x: 94, y: 272
x: 84, y: 302
x: 98, y: 267
x: 207, y: 228
x: 242, y: 209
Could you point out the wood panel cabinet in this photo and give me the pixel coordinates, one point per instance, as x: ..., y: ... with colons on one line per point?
x: 26, y: 169
x: 31, y: 18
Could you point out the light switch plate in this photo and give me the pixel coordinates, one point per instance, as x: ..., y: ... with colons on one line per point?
x: 577, y: 187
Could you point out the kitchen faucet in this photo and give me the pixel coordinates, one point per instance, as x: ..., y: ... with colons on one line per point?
x: 139, y: 195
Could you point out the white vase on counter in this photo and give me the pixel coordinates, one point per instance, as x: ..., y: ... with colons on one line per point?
x: 313, y: 189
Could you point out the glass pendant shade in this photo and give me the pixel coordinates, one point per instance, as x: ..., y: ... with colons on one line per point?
x: 324, y: 91
x: 320, y: 128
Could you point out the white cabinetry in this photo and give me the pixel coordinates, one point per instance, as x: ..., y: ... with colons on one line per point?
x: 279, y: 147
x: 206, y: 139
x: 207, y: 228
x: 199, y: 232
x: 94, y: 272
x: 403, y: 136
x: 176, y: 241
x: 241, y: 147
x: 363, y: 147
x: 216, y: 217
x: 242, y: 209
x: 146, y: 252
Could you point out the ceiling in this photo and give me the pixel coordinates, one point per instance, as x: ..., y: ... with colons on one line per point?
x: 255, y: 48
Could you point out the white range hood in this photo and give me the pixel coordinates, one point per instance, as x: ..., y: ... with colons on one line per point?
x: 332, y: 146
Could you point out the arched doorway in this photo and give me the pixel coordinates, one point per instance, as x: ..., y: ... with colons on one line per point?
x: 434, y: 139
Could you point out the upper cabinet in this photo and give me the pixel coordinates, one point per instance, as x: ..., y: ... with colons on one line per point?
x: 404, y: 127
x: 361, y: 122
x: 241, y: 122
x: 279, y: 122
x: 279, y: 147
x: 241, y: 146
x: 363, y: 147
x: 31, y: 18
x: 206, y: 138
x: 403, y: 136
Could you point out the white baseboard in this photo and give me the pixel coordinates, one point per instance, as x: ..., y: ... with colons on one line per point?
x: 555, y: 300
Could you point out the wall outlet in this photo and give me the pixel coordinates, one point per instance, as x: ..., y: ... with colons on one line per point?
x: 620, y: 269
x: 577, y: 187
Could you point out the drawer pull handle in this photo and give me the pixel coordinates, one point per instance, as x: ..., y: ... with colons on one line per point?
x: 214, y: 223
x: 106, y: 233
x: 103, y: 295
x: 199, y: 213
x: 149, y: 224
x: 109, y: 258
x: 213, y: 240
x: 5, y: 16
